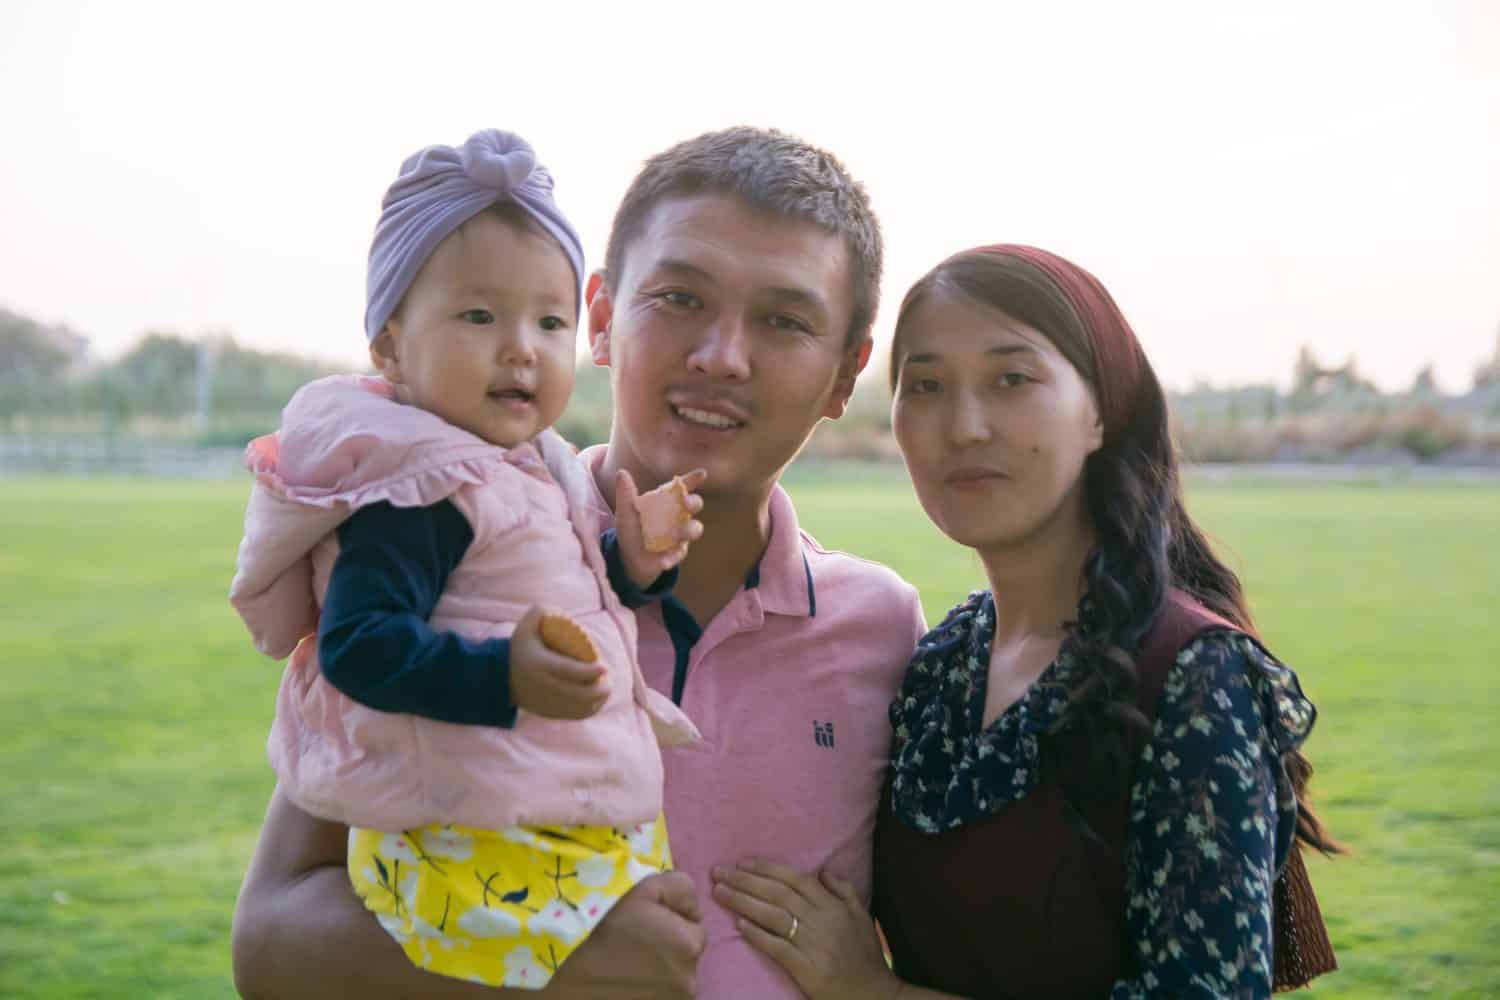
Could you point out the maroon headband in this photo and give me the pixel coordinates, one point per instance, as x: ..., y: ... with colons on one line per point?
x: 1116, y: 353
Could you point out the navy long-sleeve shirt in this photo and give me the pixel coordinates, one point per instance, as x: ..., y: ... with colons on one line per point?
x: 374, y: 642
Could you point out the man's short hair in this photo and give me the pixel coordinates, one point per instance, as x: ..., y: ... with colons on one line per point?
x: 773, y: 173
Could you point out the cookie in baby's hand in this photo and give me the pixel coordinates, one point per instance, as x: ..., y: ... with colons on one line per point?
x: 562, y: 634
x: 663, y: 510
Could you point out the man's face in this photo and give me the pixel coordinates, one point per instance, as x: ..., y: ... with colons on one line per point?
x: 726, y: 335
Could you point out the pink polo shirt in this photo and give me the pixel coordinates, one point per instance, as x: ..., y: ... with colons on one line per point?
x: 790, y: 685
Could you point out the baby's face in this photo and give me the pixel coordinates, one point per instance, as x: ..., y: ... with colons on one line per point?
x: 485, y: 337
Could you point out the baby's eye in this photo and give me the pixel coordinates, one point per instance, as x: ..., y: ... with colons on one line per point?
x: 479, y: 317
x: 550, y: 323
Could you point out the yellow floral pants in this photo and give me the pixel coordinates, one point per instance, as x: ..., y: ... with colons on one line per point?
x: 503, y: 907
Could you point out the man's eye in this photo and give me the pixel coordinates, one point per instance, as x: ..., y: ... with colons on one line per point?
x: 550, y: 323
x: 479, y: 317
x: 782, y: 321
x: 922, y: 386
x: 683, y: 300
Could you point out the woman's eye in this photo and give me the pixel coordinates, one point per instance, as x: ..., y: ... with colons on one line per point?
x: 479, y: 317
x: 550, y: 323
x: 1014, y: 380
x: 922, y: 386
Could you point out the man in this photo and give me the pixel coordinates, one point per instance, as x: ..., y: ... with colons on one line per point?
x: 734, y: 312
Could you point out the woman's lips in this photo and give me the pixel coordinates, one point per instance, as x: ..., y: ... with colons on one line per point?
x: 973, y: 478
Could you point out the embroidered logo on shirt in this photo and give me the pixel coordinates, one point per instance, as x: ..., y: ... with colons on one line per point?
x: 823, y: 733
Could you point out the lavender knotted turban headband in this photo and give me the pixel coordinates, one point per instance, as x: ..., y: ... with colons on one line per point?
x: 441, y: 188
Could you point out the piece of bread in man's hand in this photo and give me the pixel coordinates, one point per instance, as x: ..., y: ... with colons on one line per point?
x: 663, y: 511
x: 562, y: 634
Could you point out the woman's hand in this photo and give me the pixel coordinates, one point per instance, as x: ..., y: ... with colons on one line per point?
x: 643, y: 565
x: 815, y: 928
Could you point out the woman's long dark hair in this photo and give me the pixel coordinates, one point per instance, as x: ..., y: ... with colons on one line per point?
x: 1146, y: 542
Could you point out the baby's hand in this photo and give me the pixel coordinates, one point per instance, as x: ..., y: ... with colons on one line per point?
x: 549, y: 684
x: 646, y: 560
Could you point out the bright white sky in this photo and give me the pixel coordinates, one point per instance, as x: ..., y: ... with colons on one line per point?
x: 1320, y: 173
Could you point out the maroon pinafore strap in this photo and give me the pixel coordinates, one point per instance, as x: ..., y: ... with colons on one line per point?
x: 1300, y: 949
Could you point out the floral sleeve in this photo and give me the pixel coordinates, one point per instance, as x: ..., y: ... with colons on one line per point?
x: 1212, y: 816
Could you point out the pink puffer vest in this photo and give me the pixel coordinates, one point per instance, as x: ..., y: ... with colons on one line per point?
x: 348, y: 441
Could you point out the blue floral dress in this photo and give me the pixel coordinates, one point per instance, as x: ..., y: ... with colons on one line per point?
x: 1212, y: 810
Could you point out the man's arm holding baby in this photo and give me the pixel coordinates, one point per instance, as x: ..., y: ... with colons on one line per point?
x: 299, y: 931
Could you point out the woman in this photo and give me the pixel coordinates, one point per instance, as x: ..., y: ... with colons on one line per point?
x: 1095, y: 773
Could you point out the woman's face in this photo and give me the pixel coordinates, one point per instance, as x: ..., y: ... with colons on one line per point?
x: 994, y: 423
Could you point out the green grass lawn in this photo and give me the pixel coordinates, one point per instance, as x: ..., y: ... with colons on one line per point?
x: 133, y: 714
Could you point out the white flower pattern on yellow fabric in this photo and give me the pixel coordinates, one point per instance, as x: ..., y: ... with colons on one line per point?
x: 503, y: 907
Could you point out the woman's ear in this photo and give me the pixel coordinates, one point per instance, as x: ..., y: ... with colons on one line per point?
x: 385, y: 352
x: 1096, y: 432
x: 601, y: 313
x: 1094, y: 429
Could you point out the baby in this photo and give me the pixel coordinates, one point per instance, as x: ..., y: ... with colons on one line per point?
x: 402, y: 536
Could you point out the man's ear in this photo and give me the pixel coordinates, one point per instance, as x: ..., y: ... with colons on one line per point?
x: 854, y: 361
x: 601, y: 311
x: 385, y: 352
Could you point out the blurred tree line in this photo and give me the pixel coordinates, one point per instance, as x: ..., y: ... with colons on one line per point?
x: 209, y: 389
x: 1333, y: 414
x: 209, y: 386
x: 213, y: 391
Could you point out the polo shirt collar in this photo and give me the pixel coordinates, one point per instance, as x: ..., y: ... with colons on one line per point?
x: 783, y: 578
x: 786, y: 582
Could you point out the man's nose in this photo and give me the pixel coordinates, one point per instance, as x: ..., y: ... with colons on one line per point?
x: 723, y: 351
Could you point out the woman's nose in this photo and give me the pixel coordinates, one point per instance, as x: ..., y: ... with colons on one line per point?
x: 970, y: 423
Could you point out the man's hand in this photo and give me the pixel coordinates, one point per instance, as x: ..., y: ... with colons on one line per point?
x: 643, y: 565
x: 550, y: 684
x: 646, y: 946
